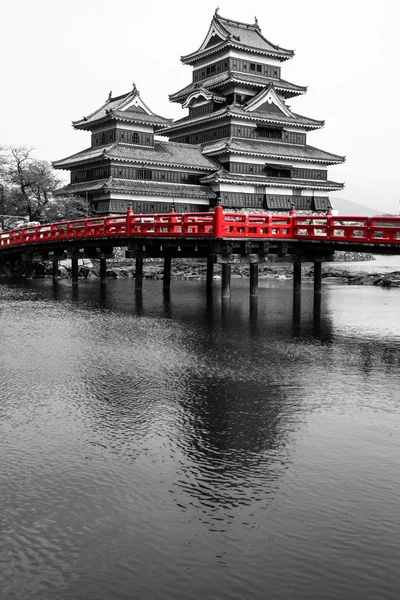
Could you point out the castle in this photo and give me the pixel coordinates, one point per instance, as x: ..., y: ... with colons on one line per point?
x: 240, y: 144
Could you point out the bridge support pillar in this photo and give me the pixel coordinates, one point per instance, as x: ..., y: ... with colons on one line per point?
x: 103, y: 269
x: 139, y: 273
x: 75, y: 268
x: 210, y: 273
x: 297, y: 277
x: 55, y: 269
x: 317, y: 277
x: 226, y: 280
x: 253, y: 279
x: 167, y: 274
x: 29, y: 268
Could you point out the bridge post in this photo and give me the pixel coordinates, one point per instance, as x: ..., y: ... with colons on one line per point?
x: 253, y: 277
x: 139, y: 273
x: 317, y: 277
x: 103, y: 268
x: 167, y: 273
x: 75, y: 268
x: 210, y: 272
x: 29, y: 267
x: 297, y: 277
x: 55, y: 269
x: 226, y: 280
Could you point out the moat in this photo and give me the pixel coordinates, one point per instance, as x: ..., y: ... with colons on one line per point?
x: 168, y: 446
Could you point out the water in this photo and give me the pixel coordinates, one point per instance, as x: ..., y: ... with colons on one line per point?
x: 174, y: 448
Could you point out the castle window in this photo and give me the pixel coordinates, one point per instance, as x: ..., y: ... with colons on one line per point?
x: 103, y: 138
x: 144, y: 174
x: 259, y: 68
x: 269, y: 132
x: 252, y: 67
x: 135, y: 138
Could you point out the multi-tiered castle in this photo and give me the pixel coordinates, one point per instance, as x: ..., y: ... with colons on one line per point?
x: 240, y: 145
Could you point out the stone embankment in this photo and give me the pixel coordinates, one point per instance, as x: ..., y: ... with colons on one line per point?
x: 344, y: 276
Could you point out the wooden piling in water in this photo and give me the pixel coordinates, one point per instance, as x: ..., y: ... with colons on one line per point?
x: 253, y: 279
x: 139, y: 273
x: 317, y: 277
x: 297, y: 277
x: 210, y: 273
x: 55, y: 269
x: 103, y: 269
x: 226, y: 281
x: 167, y: 273
x: 75, y: 268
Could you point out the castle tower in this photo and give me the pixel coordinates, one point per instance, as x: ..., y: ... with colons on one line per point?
x: 238, y: 112
x: 126, y: 166
x: 240, y: 144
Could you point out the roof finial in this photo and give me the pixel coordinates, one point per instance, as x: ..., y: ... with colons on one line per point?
x: 216, y: 11
x: 134, y: 89
x: 110, y: 95
x: 256, y: 21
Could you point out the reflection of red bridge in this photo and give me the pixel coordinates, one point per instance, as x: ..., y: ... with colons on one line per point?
x: 222, y: 237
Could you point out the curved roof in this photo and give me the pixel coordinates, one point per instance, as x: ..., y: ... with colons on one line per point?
x: 140, y: 187
x: 257, y: 81
x: 227, y: 32
x: 271, y: 149
x: 162, y: 153
x: 222, y: 175
x: 256, y: 116
x: 128, y: 107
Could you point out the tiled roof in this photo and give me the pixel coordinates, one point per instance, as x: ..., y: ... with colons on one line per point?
x: 114, y: 108
x: 85, y: 186
x: 180, y: 190
x: 225, y: 176
x: 171, y: 153
x: 140, y: 187
x: 237, y: 110
x: 162, y: 153
x: 246, y: 78
x: 240, y: 35
x: 87, y: 155
x: 271, y: 149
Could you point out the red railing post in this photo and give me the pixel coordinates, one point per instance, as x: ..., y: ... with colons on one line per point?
x: 218, y: 222
x: 129, y: 215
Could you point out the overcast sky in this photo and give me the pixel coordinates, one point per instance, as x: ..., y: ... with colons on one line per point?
x: 60, y: 58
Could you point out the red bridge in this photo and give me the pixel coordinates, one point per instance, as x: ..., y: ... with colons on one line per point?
x: 217, y: 225
x: 221, y: 237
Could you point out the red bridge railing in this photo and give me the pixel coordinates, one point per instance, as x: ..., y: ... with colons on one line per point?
x: 215, y: 225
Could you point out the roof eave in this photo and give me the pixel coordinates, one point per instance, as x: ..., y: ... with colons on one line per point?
x: 280, y: 54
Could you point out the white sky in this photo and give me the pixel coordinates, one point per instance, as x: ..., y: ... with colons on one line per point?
x: 60, y: 58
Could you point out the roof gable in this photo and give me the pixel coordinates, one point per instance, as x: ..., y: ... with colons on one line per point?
x: 128, y: 107
x: 202, y: 92
x: 224, y: 31
x: 268, y: 101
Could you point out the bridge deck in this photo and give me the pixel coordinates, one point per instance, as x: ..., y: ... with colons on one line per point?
x: 314, y: 232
